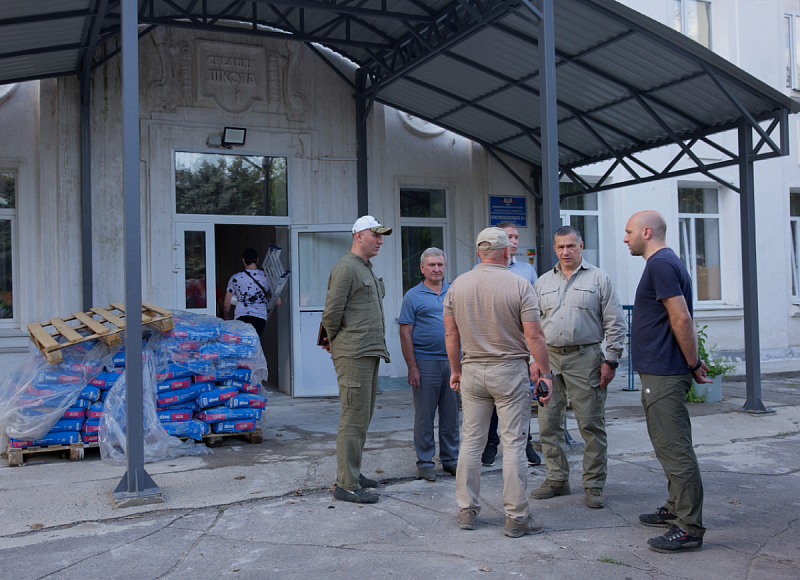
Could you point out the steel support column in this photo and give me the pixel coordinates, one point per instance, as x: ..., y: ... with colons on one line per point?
x: 747, y: 211
x: 361, y: 142
x: 87, y: 279
x: 551, y: 205
x: 136, y: 486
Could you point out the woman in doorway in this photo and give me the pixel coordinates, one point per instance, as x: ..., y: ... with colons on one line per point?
x: 252, y: 293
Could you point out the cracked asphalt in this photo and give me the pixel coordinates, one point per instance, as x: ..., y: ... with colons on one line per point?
x: 266, y: 511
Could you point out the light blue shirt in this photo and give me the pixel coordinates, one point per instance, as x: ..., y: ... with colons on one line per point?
x: 524, y: 270
x: 422, y: 308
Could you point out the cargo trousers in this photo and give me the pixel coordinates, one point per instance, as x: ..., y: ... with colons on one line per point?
x: 484, y: 386
x: 358, y: 388
x: 670, y: 430
x: 577, y: 379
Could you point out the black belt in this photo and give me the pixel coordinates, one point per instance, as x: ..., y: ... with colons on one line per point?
x: 569, y: 349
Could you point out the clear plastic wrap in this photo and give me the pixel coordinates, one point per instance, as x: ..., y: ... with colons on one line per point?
x: 205, y: 349
x: 158, y: 444
x: 35, y: 397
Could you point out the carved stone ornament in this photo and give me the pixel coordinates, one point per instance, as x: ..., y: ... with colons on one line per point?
x: 418, y: 127
x: 6, y: 91
x: 231, y: 75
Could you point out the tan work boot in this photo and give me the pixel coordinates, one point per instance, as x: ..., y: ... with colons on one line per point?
x: 466, y: 519
x: 595, y: 498
x: 515, y: 529
x: 550, y: 489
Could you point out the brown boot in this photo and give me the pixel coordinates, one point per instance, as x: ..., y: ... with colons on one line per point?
x: 595, y: 498
x: 550, y: 489
x: 515, y: 529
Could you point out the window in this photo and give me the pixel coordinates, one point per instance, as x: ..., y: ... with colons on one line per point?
x: 698, y: 229
x: 423, y: 225
x: 693, y: 18
x: 221, y: 184
x: 581, y: 212
x: 8, y: 233
x: 794, y: 221
x: 792, y: 31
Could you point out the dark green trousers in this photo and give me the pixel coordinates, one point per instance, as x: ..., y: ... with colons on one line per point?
x: 358, y: 387
x: 670, y: 429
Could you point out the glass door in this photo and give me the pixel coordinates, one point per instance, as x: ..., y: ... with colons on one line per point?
x: 315, y: 251
x: 195, y: 268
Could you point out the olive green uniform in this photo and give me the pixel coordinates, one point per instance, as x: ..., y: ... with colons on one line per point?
x: 353, y: 319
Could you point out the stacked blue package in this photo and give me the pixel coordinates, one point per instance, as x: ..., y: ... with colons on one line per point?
x: 217, y: 414
x: 89, y: 392
x: 75, y: 413
x: 63, y: 425
x: 174, y: 385
x: 59, y: 438
x: 246, y: 400
x: 216, y: 397
x: 56, y: 377
x: 91, y: 426
x: 95, y: 411
x: 234, y: 426
x: 237, y: 336
x: 194, y: 429
x: 174, y: 415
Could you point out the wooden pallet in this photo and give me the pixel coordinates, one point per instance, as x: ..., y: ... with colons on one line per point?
x: 104, y: 324
x: 217, y: 439
x: 16, y: 456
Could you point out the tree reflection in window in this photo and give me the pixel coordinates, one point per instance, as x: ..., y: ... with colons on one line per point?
x: 222, y: 184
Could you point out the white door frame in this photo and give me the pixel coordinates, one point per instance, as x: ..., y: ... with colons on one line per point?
x: 321, y: 377
x: 179, y: 266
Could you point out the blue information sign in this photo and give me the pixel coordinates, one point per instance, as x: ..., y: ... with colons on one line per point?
x: 508, y: 209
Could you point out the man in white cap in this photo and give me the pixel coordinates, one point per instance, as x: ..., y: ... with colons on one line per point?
x: 353, y: 320
x: 491, y: 321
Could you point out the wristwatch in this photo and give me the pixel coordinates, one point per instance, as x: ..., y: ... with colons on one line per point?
x: 697, y: 366
x: 612, y: 364
x: 546, y: 375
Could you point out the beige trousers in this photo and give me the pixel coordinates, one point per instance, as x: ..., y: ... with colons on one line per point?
x: 505, y: 385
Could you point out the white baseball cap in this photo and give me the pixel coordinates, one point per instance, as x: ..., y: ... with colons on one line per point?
x: 367, y: 222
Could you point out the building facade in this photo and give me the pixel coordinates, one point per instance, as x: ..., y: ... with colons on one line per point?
x: 292, y: 183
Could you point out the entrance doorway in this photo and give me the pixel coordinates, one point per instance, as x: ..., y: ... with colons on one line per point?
x: 208, y: 255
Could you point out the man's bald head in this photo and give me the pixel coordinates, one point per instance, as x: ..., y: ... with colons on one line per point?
x: 655, y: 221
x: 646, y: 233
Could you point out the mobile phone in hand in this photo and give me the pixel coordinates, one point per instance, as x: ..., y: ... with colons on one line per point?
x: 541, y: 392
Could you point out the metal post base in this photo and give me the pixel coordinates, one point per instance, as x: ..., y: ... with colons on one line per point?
x: 762, y: 411
x: 143, y: 491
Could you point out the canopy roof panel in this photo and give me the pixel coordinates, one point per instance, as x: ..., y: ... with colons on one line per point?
x: 625, y: 83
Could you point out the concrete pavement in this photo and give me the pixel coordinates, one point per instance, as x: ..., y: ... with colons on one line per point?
x: 266, y: 511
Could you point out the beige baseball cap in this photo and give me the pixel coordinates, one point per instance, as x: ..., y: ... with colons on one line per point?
x: 493, y: 239
x: 367, y: 222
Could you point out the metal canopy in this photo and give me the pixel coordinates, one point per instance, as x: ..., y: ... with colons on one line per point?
x: 485, y: 69
x: 626, y: 84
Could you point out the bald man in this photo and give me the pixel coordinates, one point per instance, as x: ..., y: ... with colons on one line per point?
x: 664, y: 353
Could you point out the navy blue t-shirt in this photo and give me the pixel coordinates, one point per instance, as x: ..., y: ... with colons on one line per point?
x: 654, y: 349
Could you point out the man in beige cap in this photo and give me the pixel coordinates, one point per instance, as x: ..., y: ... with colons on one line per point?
x: 353, y: 320
x: 491, y: 321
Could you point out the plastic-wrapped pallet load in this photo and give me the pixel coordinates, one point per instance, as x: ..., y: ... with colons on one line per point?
x: 44, y: 404
x: 224, y: 361
x: 203, y: 362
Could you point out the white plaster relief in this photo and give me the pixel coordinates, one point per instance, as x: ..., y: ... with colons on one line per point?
x: 231, y: 75
x: 418, y: 127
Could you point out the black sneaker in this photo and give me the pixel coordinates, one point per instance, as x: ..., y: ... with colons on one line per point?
x: 357, y: 496
x: 533, y: 457
x: 661, y: 517
x: 675, y: 540
x: 489, y: 455
x: 366, y: 482
x: 451, y: 469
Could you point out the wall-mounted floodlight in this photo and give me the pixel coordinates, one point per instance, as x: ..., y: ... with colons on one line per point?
x: 233, y: 136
